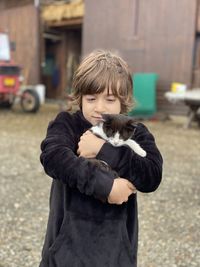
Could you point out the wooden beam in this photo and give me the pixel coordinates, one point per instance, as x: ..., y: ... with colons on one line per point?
x: 135, y: 11
x: 67, y: 22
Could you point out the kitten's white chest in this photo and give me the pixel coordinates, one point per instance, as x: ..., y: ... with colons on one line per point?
x: 116, y: 140
x: 98, y: 130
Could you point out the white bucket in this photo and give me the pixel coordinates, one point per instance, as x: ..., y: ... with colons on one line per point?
x: 40, y: 89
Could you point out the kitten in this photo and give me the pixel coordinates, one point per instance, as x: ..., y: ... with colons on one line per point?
x: 118, y: 131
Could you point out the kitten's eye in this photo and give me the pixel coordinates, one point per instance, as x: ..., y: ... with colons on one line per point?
x: 107, y: 124
x: 109, y: 132
x: 126, y: 133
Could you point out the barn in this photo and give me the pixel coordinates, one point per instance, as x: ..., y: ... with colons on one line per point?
x: 159, y: 36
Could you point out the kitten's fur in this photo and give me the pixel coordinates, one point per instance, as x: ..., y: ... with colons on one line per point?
x: 118, y: 131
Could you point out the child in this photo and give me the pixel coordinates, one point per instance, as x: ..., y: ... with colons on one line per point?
x: 83, y: 230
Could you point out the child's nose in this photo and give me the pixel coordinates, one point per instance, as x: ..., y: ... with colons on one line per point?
x: 99, y: 107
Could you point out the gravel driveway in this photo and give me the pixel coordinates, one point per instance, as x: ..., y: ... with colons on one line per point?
x: 169, y: 218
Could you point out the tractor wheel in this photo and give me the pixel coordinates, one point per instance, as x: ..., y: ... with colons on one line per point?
x: 30, y: 101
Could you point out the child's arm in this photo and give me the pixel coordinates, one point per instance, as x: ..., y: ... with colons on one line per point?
x: 121, y: 190
x: 144, y: 172
x: 61, y: 162
x: 88, y: 146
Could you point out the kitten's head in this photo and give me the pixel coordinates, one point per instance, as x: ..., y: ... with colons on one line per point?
x: 118, y: 128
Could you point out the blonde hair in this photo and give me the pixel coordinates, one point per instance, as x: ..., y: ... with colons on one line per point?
x: 102, y: 70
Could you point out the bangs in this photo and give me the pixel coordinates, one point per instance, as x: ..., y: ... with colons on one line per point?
x: 101, y: 71
x: 102, y: 77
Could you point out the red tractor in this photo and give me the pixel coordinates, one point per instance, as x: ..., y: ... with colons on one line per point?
x: 10, y: 74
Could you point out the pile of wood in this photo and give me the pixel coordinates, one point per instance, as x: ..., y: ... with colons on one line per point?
x: 62, y: 11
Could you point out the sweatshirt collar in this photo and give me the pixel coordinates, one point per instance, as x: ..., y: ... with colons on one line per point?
x: 84, y: 123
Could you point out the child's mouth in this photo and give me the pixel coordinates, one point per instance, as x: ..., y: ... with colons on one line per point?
x: 98, y: 118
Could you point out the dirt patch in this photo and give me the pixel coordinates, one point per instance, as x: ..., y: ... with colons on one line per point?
x: 169, y: 218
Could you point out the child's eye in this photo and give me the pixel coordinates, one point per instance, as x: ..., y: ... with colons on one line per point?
x: 111, y: 99
x: 90, y: 98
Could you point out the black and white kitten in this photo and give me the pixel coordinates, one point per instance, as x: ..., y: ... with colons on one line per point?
x: 118, y: 130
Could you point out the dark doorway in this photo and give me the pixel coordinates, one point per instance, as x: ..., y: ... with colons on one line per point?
x: 62, y: 56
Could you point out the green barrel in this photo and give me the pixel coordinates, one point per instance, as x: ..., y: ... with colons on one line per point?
x: 144, y: 94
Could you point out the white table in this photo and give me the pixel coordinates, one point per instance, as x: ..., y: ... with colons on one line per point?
x: 191, y: 98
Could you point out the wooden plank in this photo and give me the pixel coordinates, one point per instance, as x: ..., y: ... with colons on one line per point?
x: 198, y: 16
x: 67, y: 22
x: 26, y: 38
x: 6, y: 4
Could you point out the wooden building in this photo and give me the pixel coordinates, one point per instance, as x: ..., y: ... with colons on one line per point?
x: 21, y: 20
x: 48, y: 50
x: 152, y: 35
x: 62, y: 44
x: 161, y: 36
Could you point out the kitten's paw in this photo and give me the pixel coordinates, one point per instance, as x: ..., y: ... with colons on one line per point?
x: 143, y: 153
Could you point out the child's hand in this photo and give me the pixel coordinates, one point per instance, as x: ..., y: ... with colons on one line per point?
x: 121, y: 190
x: 89, y: 145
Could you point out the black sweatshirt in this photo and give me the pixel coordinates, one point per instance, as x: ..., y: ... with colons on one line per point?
x: 83, y: 231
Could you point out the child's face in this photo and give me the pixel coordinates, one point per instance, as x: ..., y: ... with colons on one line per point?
x: 95, y: 105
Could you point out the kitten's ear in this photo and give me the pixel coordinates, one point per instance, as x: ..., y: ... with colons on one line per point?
x: 131, y: 124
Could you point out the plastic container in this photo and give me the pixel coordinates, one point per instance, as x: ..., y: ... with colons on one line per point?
x: 178, y: 87
x: 144, y: 94
x: 40, y: 89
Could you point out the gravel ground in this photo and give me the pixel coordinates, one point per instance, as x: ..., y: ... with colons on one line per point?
x: 169, y: 218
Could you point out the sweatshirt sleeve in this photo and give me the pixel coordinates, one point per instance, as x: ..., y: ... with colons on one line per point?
x: 144, y: 172
x: 60, y: 161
